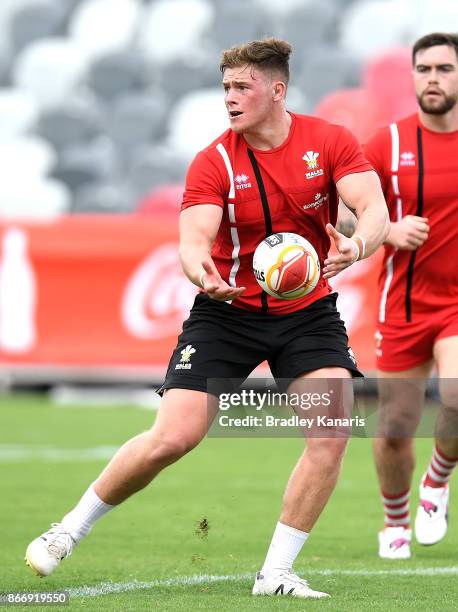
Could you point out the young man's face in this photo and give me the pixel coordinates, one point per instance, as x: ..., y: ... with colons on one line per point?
x: 436, y: 79
x: 249, y: 97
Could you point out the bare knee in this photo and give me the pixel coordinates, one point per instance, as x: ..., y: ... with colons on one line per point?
x: 448, y: 390
x: 169, y: 448
x: 384, y: 445
x: 326, y: 452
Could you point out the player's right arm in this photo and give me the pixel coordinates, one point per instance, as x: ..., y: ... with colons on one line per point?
x: 200, y: 219
x: 198, y: 229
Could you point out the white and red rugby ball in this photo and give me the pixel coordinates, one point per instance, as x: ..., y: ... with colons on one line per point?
x: 286, y: 266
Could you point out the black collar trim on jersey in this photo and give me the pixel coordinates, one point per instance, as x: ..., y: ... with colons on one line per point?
x: 419, y: 213
x: 266, y: 209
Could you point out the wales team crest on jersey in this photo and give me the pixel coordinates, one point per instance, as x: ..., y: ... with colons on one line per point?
x: 311, y: 159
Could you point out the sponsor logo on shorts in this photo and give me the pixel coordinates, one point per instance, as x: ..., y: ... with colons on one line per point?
x: 351, y: 355
x: 185, y: 359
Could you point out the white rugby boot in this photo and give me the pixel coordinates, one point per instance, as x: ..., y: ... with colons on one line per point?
x: 431, y: 521
x: 394, y: 543
x: 284, y: 582
x: 45, y: 553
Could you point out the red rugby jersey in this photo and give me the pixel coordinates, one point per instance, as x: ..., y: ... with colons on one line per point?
x: 290, y: 188
x: 418, y: 169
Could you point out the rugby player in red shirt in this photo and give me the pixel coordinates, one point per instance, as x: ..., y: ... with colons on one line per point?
x: 271, y: 171
x: 417, y: 161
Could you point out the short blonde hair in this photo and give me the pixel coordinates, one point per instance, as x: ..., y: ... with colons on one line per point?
x: 269, y: 55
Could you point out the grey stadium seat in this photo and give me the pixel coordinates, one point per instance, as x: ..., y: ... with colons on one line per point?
x: 309, y: 26
x: 137, y: 118
x: 78, y: 120
x: 182, y: 76
x: 87, y: 163
x: 40, y: 19
x: 103, y: 198
x: 116, y: 73
x: 152, y: 166
x: 326, y: 69
x: 238, y: 21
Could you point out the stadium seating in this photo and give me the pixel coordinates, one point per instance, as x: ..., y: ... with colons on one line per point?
x: 435, y: 17
x: 151, y: 166
x: 238, y: 21
x: 87, y: 163
x: 196, y: 120
x: 113, y: 74
x: 26, y: 157
x: 371, y: 26
x: 51, y: 70
x: 103, y: 198
x: 137, y: 118
x: 18, y: 113
x: 71, y: 122
x: 121, y: 93
x: 172, y: 29
x: 34, y: 199
x: 104, y: 26
x: 39, y: 19
x: 337, y: 69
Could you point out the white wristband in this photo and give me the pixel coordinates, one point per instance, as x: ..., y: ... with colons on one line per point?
x: 357, y: 251
x: 362, y: 250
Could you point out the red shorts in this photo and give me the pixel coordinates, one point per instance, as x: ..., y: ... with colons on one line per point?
x: 402, y: 346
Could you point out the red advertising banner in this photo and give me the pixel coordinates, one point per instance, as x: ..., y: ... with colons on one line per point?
x: 91, y: 295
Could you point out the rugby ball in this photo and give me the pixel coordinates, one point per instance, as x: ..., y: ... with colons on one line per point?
x: 286, y: 266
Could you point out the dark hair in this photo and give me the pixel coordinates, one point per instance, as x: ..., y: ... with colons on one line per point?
x: 270, y: 54
x: 434, y: 39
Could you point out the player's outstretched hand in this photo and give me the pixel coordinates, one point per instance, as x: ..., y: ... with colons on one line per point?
x: 215, y: 286
x: 348, y: 253
x: 409, y: 233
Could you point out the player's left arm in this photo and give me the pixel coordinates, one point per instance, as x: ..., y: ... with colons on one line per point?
x: 362, y: 194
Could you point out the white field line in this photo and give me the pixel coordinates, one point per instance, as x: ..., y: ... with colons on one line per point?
x: 22, y: 452
x: 107, y: 588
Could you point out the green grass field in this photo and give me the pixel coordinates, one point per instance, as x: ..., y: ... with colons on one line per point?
x: 150, y: 553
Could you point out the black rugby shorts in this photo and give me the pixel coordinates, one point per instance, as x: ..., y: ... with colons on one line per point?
x: 223, y: 342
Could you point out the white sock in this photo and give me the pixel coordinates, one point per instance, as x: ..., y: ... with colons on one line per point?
x: 285, y: 546
x: 79, y: 521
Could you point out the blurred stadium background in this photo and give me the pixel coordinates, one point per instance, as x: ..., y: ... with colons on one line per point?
x: 103, y: 103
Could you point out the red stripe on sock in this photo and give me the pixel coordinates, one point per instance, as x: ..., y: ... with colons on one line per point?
x: 434, y: 484
x: 395, y: 506
x: 437, y: 459
x: 394, y: 496
x: 397, y: 517
x: 444, y: 457
x: 437, y: 473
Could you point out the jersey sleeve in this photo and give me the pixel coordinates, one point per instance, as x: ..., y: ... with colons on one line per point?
x: 375, y: 151
x: 205, y: 182
x: 346, y: 155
